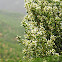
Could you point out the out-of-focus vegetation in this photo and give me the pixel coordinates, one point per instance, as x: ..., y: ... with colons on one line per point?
x: 9, y: 29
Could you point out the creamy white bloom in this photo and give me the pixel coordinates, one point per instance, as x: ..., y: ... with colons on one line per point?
x: 56, y: 54
x: 52, y: 37
x: 38, y: 8
x: 39, y: 33
x: 52, y: 51
x: 57, y: 18
x: 24, y: 50
x: 47, y: 8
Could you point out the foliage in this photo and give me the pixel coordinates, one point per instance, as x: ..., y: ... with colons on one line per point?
x: 42, y: 28
x: 48, y: 59
x: 53, y: 58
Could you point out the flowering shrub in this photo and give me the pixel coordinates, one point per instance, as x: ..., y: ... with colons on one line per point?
x: 42, y: 28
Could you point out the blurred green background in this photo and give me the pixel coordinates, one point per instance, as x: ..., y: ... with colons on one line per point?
x: 9, y: 29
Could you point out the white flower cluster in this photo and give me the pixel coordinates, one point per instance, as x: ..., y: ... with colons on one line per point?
x: 42, y: 24
x: 47, y: 8
x: 36, y: 43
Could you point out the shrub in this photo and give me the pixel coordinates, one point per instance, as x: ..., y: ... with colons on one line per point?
x: 43, y: 33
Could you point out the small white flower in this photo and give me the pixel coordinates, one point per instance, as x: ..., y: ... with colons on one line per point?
x: 52, y: 51
x: 57, y: 18
x: 47, y: 8
x: 61, y: 3
x: 52, y: 37
x: 24, y: 50
x: 38, y: 8
x: 24, y: 57
x: 56, y: 54
x: 39, y: 33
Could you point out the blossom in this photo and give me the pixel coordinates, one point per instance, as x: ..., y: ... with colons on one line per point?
x: 24, y: 51
x: 39, y: 33
x: 56, y: 54
x: 42, y: 28
x: 57, y: 18
x: 52, y: 51
x: 47, y: 8
x: 52, y: 37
